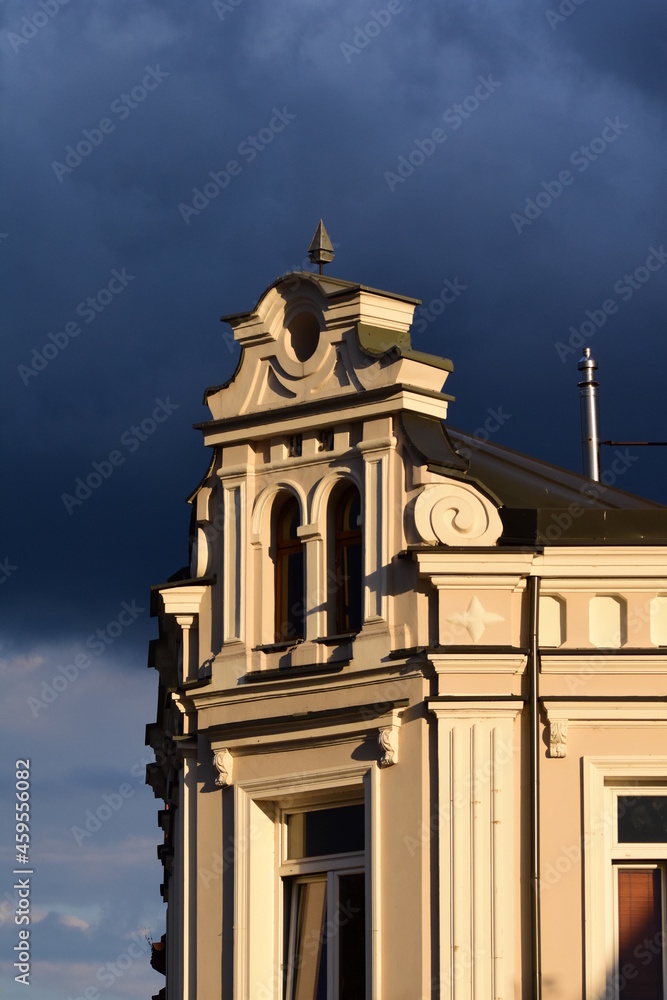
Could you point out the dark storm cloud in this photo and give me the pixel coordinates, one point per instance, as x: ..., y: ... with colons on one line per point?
x: 222, y: 74
x: 361, y: 98
x: 628, y: 42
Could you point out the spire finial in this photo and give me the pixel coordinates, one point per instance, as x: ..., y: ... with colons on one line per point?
x: 321, y: 249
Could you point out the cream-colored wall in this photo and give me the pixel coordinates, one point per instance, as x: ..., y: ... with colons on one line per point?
x: 475, y: 600
x: 406, y: 797
x: 404, y: 803
x: 440, y: 668
x: 566, y: 851
x: 214, y: 865
x: 561, y: 877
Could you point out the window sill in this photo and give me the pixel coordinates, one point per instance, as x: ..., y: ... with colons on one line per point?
x: 277, y: 647
x: 334, y: 640
x: 293, y: 673
x: 278, y: 658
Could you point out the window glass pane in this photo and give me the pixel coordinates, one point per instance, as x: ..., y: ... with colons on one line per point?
x: 642, y: 819
x: 349, y: 610
x: 293, y: 611
x: 290, y: 606
x: 307, y: 975
x: 289, y: 521
x: 348, y: 559
x: 640, y: 934
x: 325, y: 831
x: 351, y: 937
x: 350, y: 511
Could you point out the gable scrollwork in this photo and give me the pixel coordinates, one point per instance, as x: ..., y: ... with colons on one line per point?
x: 456, y: 514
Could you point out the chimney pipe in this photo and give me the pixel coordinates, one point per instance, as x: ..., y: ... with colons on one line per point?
x: 588, y: 405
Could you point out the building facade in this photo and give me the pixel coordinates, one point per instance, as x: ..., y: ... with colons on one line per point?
x: 411, y: 737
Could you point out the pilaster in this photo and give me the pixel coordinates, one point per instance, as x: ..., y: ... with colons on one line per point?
x: 476, y: 847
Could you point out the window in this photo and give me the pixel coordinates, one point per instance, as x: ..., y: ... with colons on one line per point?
x: 639, y: 836
x: 323, y: 875
x: 347, y: 561
x: 269, y: 912
x: 625, y: 876
x: 289, y: 573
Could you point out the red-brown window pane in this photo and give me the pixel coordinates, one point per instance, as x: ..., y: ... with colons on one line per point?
x: 640, y: 937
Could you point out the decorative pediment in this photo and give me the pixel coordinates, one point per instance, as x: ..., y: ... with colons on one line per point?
x: 312, y: 335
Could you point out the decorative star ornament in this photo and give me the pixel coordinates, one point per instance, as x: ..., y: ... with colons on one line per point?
x: 475, y: 619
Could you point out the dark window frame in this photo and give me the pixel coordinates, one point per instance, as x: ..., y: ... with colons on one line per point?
x: 290, y: 617
x: 348, y: 549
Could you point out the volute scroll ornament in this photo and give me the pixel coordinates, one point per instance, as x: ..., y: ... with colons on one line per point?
x: 456, y: 514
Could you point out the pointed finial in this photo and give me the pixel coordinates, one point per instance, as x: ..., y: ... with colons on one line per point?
x: 321, y: 249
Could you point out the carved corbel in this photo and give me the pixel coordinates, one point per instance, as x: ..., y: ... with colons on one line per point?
x: 557, y: 738
x: 388, y: 743
x: 223, y: 761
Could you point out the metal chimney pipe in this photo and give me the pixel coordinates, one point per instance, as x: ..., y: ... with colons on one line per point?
x: 590, y: 426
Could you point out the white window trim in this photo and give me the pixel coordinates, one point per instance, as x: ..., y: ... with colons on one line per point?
x: 258, y: 928
x: 598, y: 774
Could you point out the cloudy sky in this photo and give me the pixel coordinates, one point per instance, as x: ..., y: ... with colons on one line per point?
x: 502, y: 160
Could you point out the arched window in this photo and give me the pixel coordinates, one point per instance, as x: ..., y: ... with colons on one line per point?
x: 289, y: 574
x: 348, y: 564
